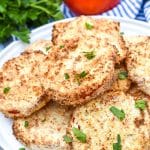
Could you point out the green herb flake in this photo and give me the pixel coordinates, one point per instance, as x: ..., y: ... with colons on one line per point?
x: 6, y: 90
x: 48, y: 48
x: 79, y: 135
x: 89, y: 55
x: 122, y: 75
x: 61, y: 46
x: 43, y: 120
x: 66, y: 76
x: 26, y: 124
x: 118, y: 113
x: 78, y: 77
x: 117, y: 146
x: 82, y: 74
x: 89, y: 26
x: 141, y: 104
x: 67, y: 139
x: 121, y: 33
x: 22, y: 148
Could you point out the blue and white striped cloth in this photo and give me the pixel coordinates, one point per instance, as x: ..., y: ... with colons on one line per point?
x: 133, y: 9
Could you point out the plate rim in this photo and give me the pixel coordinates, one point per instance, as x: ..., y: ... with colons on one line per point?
x: 120, y: 19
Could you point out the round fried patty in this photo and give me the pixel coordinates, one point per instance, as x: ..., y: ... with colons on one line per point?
x: 102, y: 127
x: 45, y: 129
x: 78, y: 74
x: 138, y: 62
x: 21, y: 89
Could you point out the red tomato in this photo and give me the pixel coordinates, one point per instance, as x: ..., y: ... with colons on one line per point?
x: 90, y: 7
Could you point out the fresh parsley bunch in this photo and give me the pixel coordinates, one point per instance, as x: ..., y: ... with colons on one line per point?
x: 18, y: 16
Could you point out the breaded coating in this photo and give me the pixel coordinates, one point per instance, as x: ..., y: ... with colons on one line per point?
x: 71, y: 74
x: 40, y: 45
x: 45, y: 129
x: 80, y: 73
x: 84, y: 26
x: 138, y: 94
x: 21, y: 90
x: 121, y: 84
x: 138, y: 62
x: 102, y: 127
x: 58, y: 29
x: 133, y: 40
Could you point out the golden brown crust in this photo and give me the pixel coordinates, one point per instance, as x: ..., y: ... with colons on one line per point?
x: 120, y: 85
x: 138, y: 62
x: 102, y: 127
x: 99, y: 71
x: 45, y: 129
x: 40, y: 45
x: 26, y: 93
x: 138, y: 94
x: 35, y: 75
x: 58, y: 29
x: 102, y: 28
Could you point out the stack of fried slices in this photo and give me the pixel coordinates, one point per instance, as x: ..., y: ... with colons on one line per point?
x: 87, y: 89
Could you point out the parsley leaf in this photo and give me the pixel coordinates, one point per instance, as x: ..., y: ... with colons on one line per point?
x: 118, y: 113
x: 121, y: 33
x: 48, y: 48
x: 22, y: 148
x: 67, y: 139
x: 78, y: 77
x: 6, y: 90
x: 89, y: 55
x: 79, y: 135
x: 66, y: 76
x: 141, y: 104
x: 122, y: 75
x: 89, y: 26
x: 117, y: 146
x: 23, y: 35
x: 82, y: 74
x: 26, y: 124
x: 3, y: 6
x: 61, y: 46
x: 18, y: 16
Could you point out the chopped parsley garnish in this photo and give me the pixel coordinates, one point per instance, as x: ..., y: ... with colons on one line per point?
x: 82, y: 74
x: 61, y: 46
x: 118, y: 113
x: 67, y: 139
x: 79, y: 135
x: 121, y: 33
x: 78, y: 77
x: 117, y: 146
x: 89, y: 26
x: 89, y: 55
x: 6, y: 90
x: 122, y: 75
x: 44, y: 120
x: 48, y: 48
x: 141, y: 104
x: 26, y: 124
x: 66, y: 76
x: 22, y: 148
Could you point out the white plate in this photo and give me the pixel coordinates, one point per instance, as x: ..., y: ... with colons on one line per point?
x: 7, y: 140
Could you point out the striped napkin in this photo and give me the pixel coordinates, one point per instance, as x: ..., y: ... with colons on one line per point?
x: 134, y: 9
